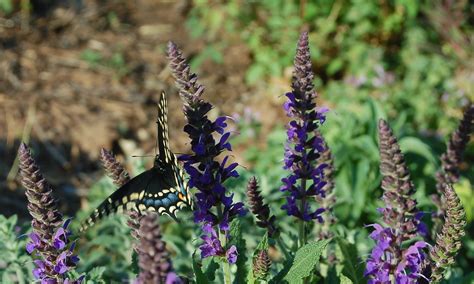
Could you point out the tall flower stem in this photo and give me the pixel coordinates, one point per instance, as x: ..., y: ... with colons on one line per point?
x: 302, y: 223
x: 223, y: 241
x: 215, y: 208
x: 303, y: 146
x: 225, y: 264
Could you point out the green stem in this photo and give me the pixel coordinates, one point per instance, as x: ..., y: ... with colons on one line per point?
x: 283, y: 248
x: 225, y: 264
x: 302, y: 229
x: 223, y: 241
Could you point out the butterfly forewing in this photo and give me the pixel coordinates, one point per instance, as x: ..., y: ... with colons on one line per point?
x: 163, y: 136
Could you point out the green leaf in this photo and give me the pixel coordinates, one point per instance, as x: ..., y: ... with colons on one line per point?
x: 262, y: 245
x: 352, y: 268
x: 416, y: 146
x: 211, y: 268
x: 305, y: 261
x: 345, y: 280
x: 239, y: 242
x: 201, y: 278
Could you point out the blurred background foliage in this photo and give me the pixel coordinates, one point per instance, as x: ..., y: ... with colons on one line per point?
x: 410, y: 62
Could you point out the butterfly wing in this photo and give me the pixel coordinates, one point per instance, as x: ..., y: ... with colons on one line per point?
x: 126, y: 197
x: 162, y: 189
x: 163, y: 194
x: 163, y: 136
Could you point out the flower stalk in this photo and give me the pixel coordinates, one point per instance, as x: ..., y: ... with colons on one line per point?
x: 50, y: 244
x: 391, y: 260
x: 304, y: 146
x: 215, y: 208
x: 450, y: 161
x: 260, y: 209
x: 154, y: 260
x: 448, y: 240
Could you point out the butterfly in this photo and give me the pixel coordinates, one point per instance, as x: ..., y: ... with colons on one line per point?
x: 162, y: 188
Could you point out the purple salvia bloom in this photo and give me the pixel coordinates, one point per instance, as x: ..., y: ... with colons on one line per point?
x: 231, y: 254
x: 214, y: 205
x: 303, y: 146
x: 49, y: 239
x: 389, y: 259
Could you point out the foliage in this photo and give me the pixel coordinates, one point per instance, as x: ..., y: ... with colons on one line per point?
x: 15, y: 263
x: 365, y: 49
x: 390, y: 60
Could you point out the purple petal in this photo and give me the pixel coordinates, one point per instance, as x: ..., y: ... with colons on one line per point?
x: 231, y: 254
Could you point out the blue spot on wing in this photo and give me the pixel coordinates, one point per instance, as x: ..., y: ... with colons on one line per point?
x: 158, y: 203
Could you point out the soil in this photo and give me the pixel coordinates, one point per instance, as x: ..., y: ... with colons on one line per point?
x: 76, y: 76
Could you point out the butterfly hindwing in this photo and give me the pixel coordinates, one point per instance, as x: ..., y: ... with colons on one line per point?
x: 125, y: 198
x: 163, y: 196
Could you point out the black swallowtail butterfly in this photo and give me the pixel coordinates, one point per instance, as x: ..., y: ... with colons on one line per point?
x: 162, y: 188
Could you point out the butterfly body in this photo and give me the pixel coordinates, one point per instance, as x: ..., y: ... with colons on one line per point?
x: 162, y: 188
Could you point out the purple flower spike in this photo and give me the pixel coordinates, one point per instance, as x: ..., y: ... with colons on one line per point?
x: 215, y: 207
x: 390, y: 258
x: 49, y: 240
x: 304, y: 145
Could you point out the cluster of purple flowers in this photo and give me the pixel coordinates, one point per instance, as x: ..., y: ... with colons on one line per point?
x: 387, y: 259
x: 304, y: 145
x: 64, y: 262
x: 50, y: 237
x: 390, y: 258
x: 215, y: 207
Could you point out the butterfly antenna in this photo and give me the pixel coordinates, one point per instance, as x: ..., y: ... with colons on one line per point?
x: 156, y: 141
x: 140, y: 156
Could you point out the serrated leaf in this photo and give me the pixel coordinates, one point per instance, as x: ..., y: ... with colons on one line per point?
x: 200, y: 277
x: 305, y: 261
x: 211, y: 268
x: 239, y: 242
x: 352, y: 268
x: 262, y: 245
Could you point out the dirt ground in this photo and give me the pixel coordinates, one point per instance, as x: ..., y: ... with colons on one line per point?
x: 81, y: 76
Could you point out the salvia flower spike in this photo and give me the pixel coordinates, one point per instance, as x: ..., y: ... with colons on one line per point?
x: 215, y: 207
x: 120, y: 176
x: 303, y: 146
x: 450, y: 160
x: 154, y: 260
x: 390, y: 260
x: 54, y: 252
x: 261, y: 265
x: 259, y: 208
x: 113, y: 168
x: 448, y: 241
